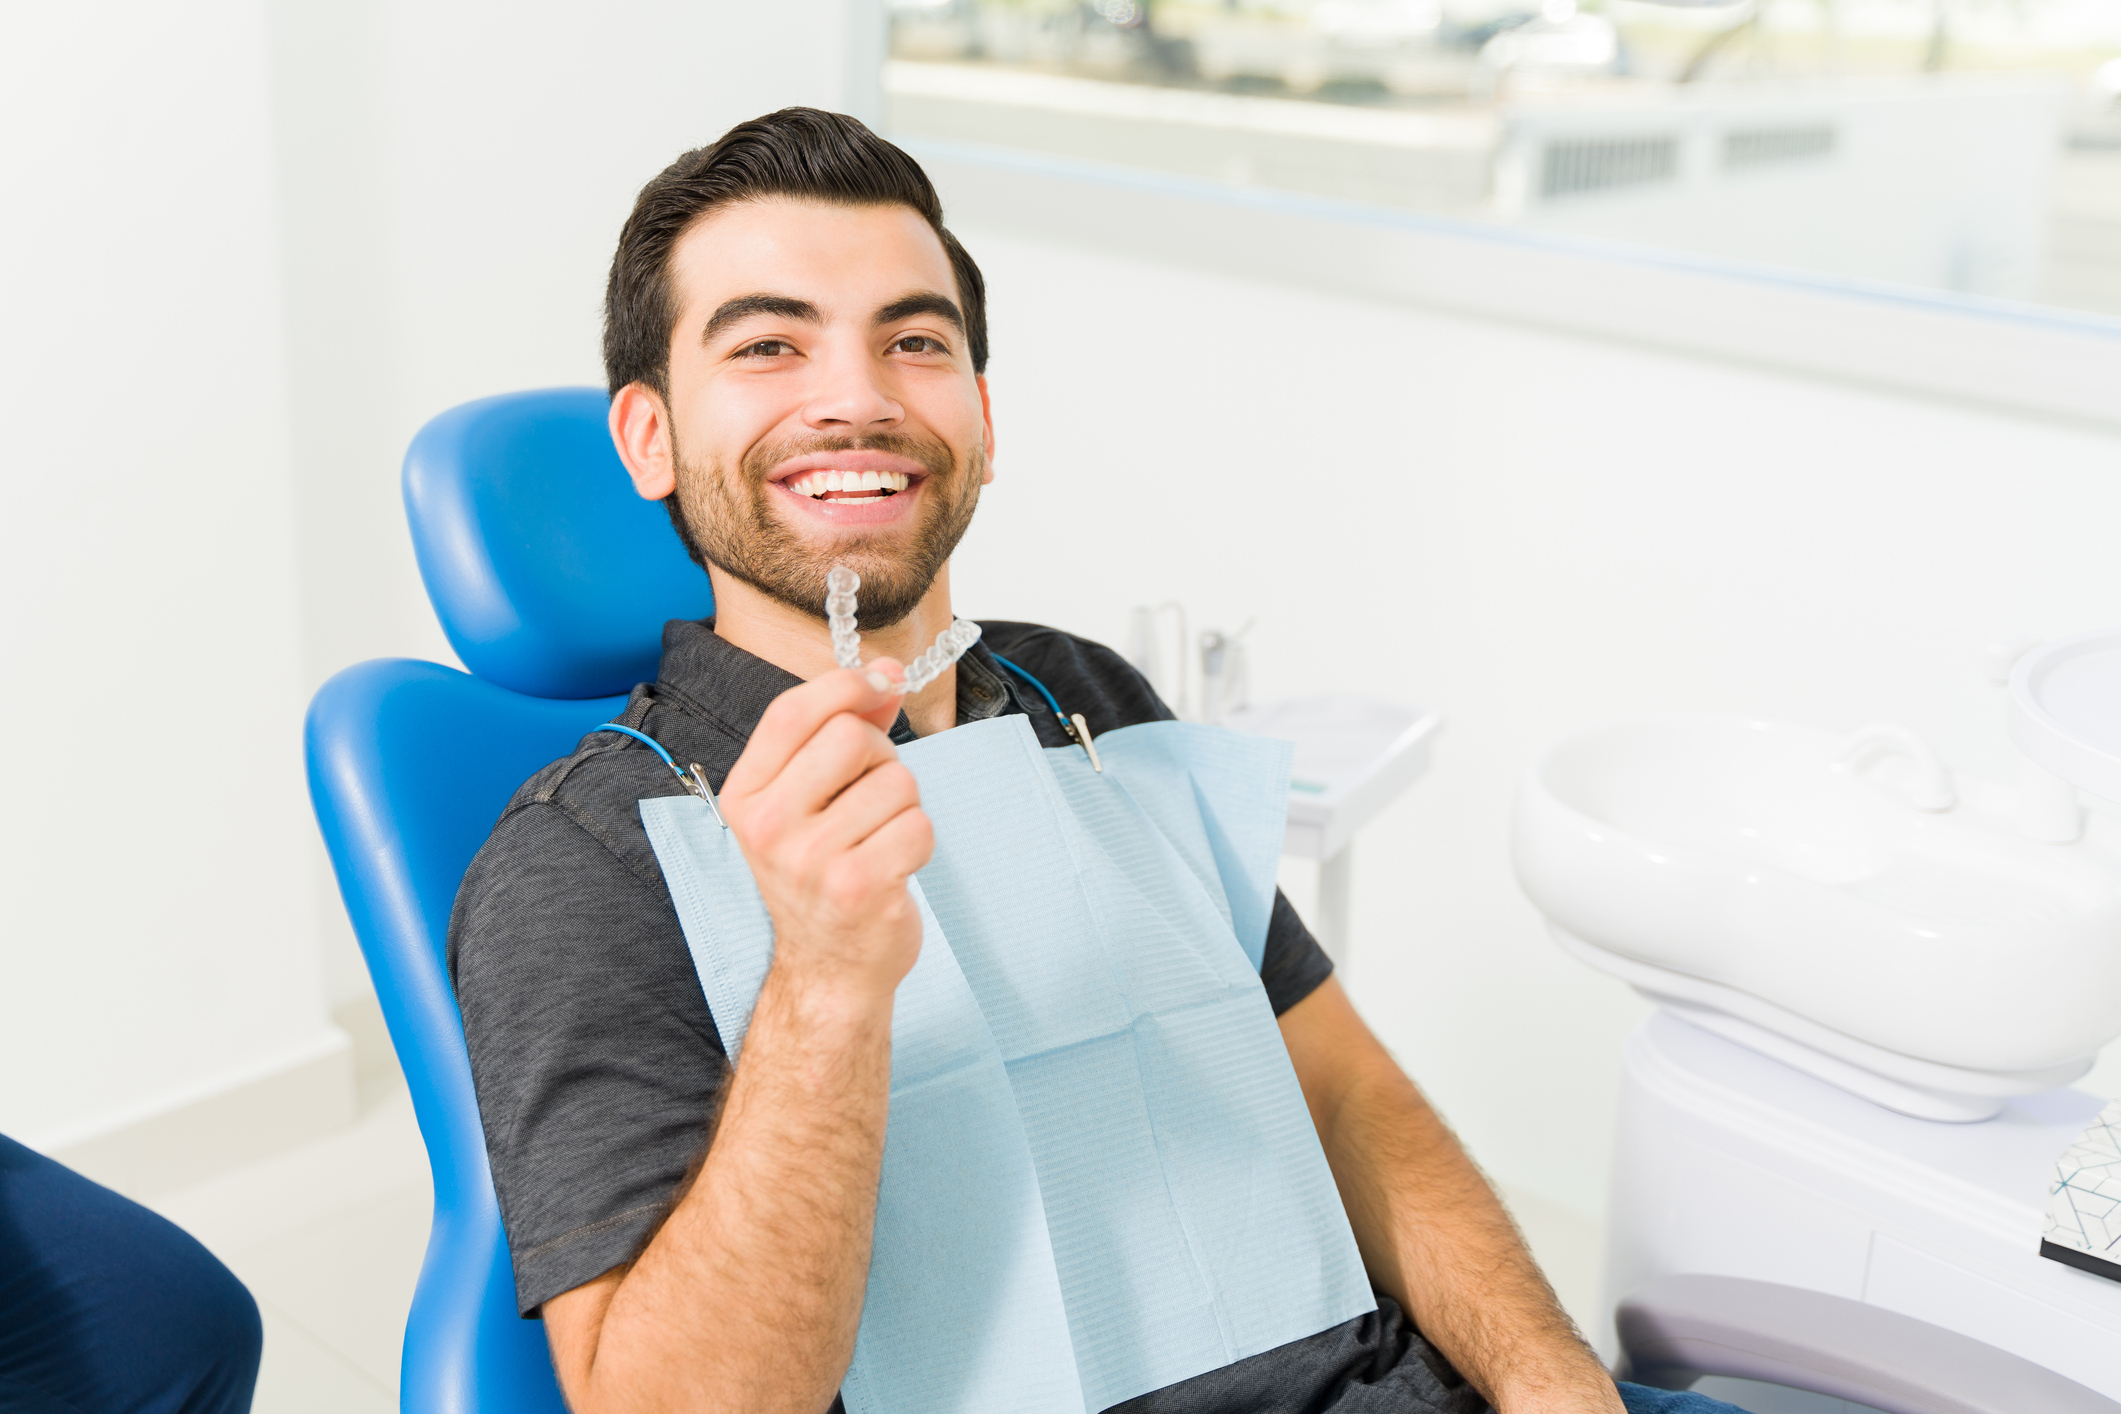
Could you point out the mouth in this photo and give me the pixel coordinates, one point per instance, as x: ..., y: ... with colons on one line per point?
x: 855, y: 487
x: 848, y: 487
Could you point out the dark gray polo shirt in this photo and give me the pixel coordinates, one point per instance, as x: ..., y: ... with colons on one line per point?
x: 597, y: 1064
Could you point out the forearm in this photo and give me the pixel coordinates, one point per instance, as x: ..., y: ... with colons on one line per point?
x: 1432, y: 1232
x: 1435, y: 1237
x: 749, y: 1296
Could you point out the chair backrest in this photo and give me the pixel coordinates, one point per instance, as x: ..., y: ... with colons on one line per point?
x: 410, y: 763
x: 550, y: 576
x: 552, y: 581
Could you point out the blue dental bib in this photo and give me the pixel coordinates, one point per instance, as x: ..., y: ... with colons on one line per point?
x: 1099, y: 1174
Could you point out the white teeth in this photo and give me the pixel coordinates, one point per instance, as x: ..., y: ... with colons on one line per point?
x: 819, y: 483
x: 858, y: 500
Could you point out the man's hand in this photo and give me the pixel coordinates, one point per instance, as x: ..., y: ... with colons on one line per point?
x: 748, y: 1297
x: 831, y: 824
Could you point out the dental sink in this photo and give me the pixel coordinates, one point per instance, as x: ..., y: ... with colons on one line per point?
x: 1873, y: 922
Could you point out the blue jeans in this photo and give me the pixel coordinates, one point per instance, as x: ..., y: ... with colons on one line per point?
x: 1641, y: 1399
x: 106, y: 1306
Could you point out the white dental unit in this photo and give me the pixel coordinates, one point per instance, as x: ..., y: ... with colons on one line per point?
x: 1353, y: 758
x: 1875, y: 984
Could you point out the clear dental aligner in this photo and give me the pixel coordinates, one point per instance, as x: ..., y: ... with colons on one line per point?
x: 949, y: 645
x: 840, y: 585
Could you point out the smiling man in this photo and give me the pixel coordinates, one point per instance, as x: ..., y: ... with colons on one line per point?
x: 796, y: 350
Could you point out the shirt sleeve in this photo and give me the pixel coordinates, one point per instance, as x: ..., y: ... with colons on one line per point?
x: 596, y: 1062
x: 1293, y: 965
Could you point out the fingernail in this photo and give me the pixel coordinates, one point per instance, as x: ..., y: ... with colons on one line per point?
x: 877, y: 681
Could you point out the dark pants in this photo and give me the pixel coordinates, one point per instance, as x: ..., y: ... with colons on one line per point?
x: 1375, y: 1364
x: 106, y: 1308
x: 1640, y: 1399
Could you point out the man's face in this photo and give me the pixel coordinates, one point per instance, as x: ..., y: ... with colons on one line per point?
x: 822, y: 402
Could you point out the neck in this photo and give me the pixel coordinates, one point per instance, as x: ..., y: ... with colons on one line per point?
x: 798, y: 642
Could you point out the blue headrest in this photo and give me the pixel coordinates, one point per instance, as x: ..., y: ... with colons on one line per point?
x: 550, y: 576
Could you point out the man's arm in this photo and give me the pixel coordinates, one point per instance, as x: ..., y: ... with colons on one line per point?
x: 749, y: 1295
x: 1432, y: 1232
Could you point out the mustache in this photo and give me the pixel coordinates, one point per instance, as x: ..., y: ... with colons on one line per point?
x: 935, y: 458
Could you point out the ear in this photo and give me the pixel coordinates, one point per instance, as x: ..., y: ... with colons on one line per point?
x: 640, y: 429
x: 986, y: 413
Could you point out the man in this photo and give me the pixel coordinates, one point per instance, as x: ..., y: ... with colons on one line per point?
x: 796, y: 348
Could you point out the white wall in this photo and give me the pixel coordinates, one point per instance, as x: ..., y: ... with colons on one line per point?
x: 251, y: 248
x: 158, y: 943
x: 1531, y: 532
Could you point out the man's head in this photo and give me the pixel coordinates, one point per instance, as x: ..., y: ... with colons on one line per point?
x: 795, y: 346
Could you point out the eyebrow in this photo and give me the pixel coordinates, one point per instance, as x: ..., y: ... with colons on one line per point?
x: 744, y: 307
x: 747, y: 306
x: 923, y: 302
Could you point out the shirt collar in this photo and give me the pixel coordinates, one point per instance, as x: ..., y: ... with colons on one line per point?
x: 982, y: 692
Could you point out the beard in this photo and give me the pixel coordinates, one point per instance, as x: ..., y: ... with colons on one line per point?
x: 730, y: 523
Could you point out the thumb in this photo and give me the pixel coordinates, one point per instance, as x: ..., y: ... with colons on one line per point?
x: 883, y: 674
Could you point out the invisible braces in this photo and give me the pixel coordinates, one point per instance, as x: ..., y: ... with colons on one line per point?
x: 949, y: 646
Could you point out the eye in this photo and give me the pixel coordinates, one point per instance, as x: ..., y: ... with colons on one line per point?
x: 919, y: 344
x: 766, y: 348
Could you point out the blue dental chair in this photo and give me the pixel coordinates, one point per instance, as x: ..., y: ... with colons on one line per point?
x: 552, y: 581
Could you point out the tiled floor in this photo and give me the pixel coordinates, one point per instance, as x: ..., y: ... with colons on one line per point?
x: 328, y: 1237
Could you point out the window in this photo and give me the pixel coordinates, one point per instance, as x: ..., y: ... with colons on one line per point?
x: 1968, y: 145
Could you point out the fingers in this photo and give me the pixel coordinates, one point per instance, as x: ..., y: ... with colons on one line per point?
x: 841, y: 752
x: 795, y: 717
x: 826, y: 815
x: 861, y: 879
x: 885, y: 712
x: 863, y: 808
x: 902, y: 845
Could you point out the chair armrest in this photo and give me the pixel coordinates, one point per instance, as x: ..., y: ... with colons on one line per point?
x: 1679, y: 1328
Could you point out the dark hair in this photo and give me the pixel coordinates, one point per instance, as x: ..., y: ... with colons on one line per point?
x: 798, y: 152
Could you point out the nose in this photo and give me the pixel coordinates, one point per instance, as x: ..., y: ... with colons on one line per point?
x: 849, y: 395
